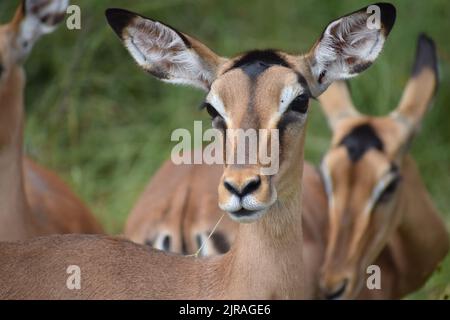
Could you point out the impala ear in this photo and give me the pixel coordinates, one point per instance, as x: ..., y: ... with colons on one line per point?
x: 421, y: 86
x: 337, y: 104
x: 349, y: 45
x: 169, y: 55
x: 33, y: 19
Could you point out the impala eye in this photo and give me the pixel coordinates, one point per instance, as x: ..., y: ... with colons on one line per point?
x: 1, y: 69
x: 211, y: 110
x: 389, y: 190
x: 217, y: 121
x: 300, y: 104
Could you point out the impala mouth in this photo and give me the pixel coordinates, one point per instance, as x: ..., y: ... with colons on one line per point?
x: 246, y: 216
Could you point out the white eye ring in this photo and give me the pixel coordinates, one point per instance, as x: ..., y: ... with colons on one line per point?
x: 328, y: 183
x: 217, y: 103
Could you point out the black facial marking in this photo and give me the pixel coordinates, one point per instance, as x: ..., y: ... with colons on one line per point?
x: 220, y: 242
x: 256, y: 62
x: 359, y: 140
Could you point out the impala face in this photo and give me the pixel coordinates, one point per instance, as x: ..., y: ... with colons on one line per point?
x: 260, y: 90
x: 362, y: 174
x: 257, y: 90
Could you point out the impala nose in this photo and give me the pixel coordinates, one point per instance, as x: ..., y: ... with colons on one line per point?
x: 337, y: 291
x: 247, y: 187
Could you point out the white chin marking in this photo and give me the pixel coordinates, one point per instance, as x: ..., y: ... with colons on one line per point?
x: 248, y: 218
x: 233, y: 204
x: 250, y: 203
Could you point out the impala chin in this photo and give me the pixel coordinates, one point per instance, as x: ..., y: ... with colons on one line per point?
x: 247, y: 209
x: 246, y: 216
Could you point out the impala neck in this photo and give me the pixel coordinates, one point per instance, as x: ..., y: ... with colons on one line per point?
x: 422, y: 238
x: 266, y: 260
x: 14, y: 211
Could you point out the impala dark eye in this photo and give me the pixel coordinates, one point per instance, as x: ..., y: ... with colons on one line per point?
x: 389, y: 190
x: 1, y: 69
x: 300, y: 104
x: 211, y: 110
x: 217, y: 121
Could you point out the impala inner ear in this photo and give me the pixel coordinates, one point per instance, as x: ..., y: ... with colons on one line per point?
x: 164, y: 52
x: 349, y: 45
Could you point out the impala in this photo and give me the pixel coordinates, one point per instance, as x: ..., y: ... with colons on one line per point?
x: 403, y: 234
x: 379, y: 209
x: 33, y: 200
x: 260, y: 90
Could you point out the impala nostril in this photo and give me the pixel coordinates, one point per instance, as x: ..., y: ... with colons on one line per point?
x: 231, y: 188
x: 251, y: 186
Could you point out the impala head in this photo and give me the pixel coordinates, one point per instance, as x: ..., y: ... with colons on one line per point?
x: 256, y: 90
x: 362, y: 173
x: 32, y: 19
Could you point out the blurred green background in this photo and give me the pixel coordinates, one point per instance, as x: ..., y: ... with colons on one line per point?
x: 104, y: 125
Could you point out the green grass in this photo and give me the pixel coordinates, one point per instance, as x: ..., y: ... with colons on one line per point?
x: 105, y: 126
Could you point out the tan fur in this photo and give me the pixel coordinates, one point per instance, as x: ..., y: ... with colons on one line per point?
x: 53, y: 203
x: 34, y: 201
